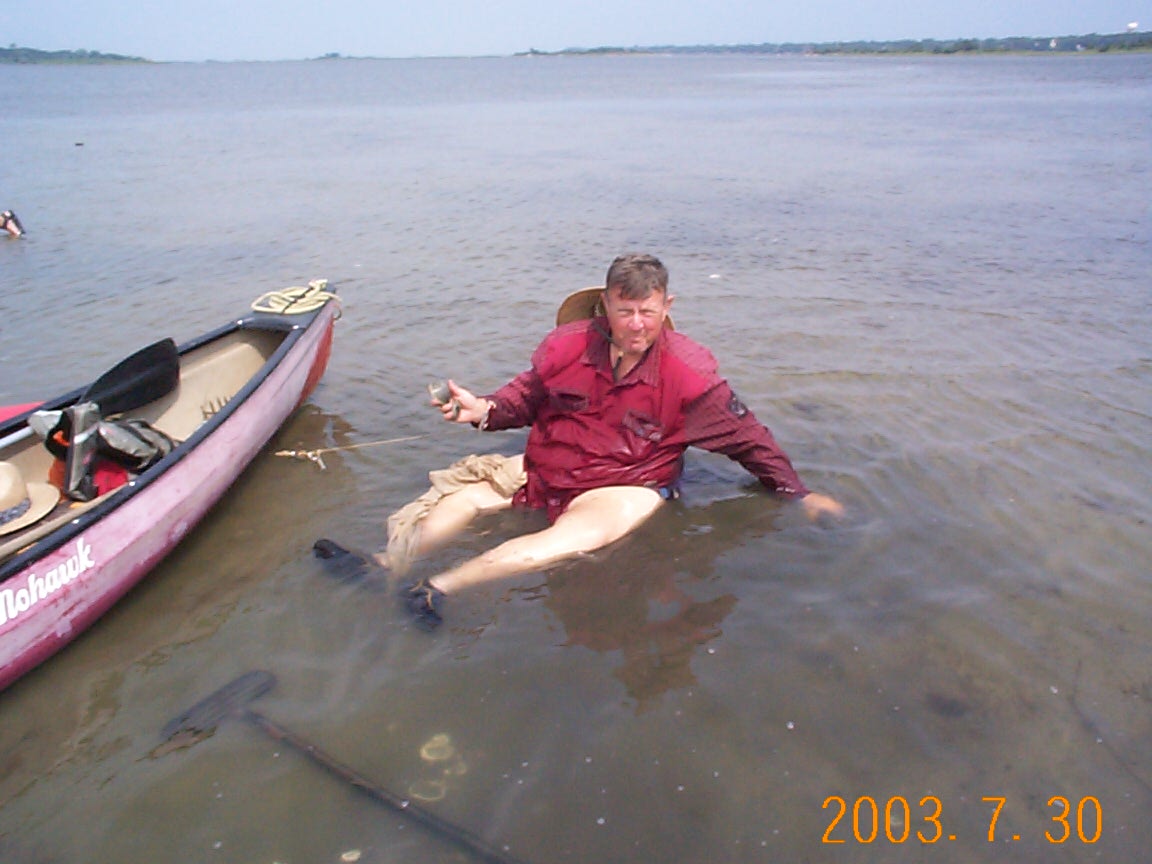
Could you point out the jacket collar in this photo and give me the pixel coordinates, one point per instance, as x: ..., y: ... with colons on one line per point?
x: 599, y: 357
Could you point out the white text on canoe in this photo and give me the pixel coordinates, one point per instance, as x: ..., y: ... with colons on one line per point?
x: 16, y: 601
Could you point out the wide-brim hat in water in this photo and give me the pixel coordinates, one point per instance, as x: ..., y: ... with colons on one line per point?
x: 587, y: 303
x: 21, y: 503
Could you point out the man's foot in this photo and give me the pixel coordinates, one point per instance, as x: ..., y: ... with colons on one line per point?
x: 339, y: 562
x: 423, y: 602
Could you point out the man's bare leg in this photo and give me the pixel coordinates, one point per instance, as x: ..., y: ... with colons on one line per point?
x: 593, y: 520
x: 451, y: 515
x: 447, y: 518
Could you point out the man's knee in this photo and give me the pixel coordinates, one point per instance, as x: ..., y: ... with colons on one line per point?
x: 479, y: 497
x: 605, y: 515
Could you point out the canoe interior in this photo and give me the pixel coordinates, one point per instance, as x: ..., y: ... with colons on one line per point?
x: 210, y: 375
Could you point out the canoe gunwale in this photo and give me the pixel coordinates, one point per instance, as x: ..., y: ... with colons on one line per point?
x: 293, y: 327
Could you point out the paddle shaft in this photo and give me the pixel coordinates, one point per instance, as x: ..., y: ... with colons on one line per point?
x: 462, y: 837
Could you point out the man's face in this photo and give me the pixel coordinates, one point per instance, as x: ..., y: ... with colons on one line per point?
x: 635, y: 324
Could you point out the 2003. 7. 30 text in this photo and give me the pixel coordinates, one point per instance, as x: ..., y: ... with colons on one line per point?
x: 866, y: 820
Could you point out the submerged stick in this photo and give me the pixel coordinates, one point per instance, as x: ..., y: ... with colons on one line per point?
x: 462, y: 837
x: 231, y: 700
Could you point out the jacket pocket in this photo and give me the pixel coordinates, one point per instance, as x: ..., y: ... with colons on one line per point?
x: 643, y: 427
x: 567, y: 401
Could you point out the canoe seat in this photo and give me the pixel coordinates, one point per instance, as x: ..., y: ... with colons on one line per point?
x: 208, y: 380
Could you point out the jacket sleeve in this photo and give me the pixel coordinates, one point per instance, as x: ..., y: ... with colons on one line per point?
x: 719, y: 422
x: 516, y: 403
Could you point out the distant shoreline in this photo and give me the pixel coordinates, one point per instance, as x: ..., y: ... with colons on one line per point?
x: 1091, y: 42
x: 31, y: 56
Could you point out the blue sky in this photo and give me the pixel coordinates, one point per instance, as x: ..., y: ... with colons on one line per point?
x: 293, y: 29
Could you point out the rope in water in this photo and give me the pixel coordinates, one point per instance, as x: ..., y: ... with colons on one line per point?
x: 317, y: 456
x: 296, y: 300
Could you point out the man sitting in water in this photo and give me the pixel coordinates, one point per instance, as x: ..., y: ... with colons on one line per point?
x: 613, y: 402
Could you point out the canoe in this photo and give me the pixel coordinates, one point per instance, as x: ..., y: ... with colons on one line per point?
x: 226, y: 394
x: 9, y: 411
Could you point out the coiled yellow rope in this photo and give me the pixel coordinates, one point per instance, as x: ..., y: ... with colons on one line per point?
x: 296, y: 300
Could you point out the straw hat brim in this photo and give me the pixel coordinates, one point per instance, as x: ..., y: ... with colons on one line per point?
x: 42, y: 498
x: 585, y: 303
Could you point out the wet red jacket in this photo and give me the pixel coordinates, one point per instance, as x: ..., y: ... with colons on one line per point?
x: 590, y: 431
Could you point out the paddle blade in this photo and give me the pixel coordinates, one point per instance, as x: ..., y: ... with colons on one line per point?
x: 144, y: 377
x: 201, y: 719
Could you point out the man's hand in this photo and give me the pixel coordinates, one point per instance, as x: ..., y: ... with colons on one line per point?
x: 464, y: 406
x: 819, y: 507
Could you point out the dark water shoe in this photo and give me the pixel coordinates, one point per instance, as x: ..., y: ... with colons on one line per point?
x: 340, y: 563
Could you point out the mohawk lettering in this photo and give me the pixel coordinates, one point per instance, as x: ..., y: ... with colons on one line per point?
x: 16, y: 601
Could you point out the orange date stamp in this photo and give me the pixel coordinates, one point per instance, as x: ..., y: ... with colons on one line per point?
x: 866, y: 820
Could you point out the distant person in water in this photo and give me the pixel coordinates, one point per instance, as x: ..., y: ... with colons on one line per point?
x: 612, y: 402
x: 10, y: 223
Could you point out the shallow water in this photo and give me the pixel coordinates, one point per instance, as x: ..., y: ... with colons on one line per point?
x: 929, y: 277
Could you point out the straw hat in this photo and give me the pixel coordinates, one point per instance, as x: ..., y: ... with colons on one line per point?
x: 585, y: 303
x: 22, y: 503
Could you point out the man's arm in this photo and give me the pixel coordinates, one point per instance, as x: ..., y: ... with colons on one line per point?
x: 719, y: 422
x: 516, y: 403
x: 512, y: 406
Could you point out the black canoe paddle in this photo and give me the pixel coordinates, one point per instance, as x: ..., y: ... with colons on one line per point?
x: 201, y: 720
x: 145, y: 376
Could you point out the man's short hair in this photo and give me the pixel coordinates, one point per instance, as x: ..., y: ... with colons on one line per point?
x: 637, y: 275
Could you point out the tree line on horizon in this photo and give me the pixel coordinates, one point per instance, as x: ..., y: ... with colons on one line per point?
x: 16, y: 54
x: 1128, y: 41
